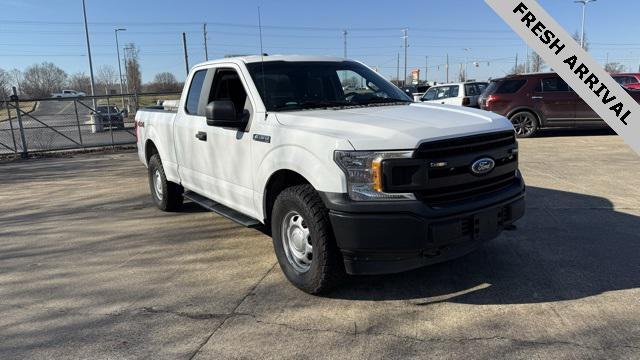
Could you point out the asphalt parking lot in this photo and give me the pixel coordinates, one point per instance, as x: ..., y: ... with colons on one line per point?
x: 90, y: 269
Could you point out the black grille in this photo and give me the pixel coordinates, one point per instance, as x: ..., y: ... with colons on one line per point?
x: 465, y: 145
x: 455, y: 181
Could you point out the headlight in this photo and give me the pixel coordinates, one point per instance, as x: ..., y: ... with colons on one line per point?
x: 364, y: 174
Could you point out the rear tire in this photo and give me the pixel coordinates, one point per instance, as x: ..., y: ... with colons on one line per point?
x: 525, y: 124
x: 165, y: 194
x: 303, y: 240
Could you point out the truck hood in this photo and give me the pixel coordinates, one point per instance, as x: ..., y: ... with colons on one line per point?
x: 395, y: 127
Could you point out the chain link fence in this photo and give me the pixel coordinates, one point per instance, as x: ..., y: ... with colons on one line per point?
x: 51, y: 124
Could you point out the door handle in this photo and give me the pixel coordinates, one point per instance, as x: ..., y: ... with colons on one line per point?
x: 201, y: 135
x: 537, y: 97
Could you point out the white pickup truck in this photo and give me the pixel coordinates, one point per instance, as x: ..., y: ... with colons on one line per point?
x: 360, y: 182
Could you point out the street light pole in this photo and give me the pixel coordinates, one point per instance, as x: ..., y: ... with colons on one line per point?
x: 120, y: 65
x: 405, y: 36
x: 86, y: 32
x: 466, y: 61
x: 584, y: 8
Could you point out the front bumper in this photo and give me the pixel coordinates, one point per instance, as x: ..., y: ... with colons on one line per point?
x: 389, y: 237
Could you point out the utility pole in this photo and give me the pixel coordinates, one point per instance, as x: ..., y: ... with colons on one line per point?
x: 126, y: 68
x: 86, y: 33
x: 447, y: 67
x: 515, y: 69
x: 406, y: 44
x: 426, y: 69
x: 344, y: 34
x: 398, y: 70
x: 186, y: 57
x: 119, y: 65
x: 584, y: 8
x: 526, y: 61
x: 206, y: 50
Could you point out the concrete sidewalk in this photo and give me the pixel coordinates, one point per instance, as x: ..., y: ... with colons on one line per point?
x: 89, y: 269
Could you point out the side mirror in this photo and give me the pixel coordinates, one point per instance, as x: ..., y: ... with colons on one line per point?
x: 125, y: 113
x: 222, y: 113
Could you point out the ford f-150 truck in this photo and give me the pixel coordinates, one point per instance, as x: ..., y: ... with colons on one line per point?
x: 356, y: 181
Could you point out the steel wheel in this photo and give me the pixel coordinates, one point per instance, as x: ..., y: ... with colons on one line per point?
x: 524, y: 123
x: 296, y: 241
x: 157, y: 182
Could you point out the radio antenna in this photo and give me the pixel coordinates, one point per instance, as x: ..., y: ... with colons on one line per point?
x: 264, y: 85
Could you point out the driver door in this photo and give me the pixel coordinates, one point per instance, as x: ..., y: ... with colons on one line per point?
x: 215, y: 161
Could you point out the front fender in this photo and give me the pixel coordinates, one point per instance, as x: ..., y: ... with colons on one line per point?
x: 321, y: 172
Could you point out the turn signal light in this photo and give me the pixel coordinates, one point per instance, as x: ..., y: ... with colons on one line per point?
x: 376, y: 174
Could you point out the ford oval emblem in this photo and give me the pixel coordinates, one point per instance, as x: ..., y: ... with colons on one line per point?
x: 483, y: 166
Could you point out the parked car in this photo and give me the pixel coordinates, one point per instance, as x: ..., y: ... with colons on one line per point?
x: 68, y: 93
x: 628, y: 80
x: 540, y: 100
x: 110, y: 116
x: 363, y: 182
x: 462, y: 94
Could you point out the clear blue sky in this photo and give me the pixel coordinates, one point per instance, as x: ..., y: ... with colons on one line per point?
x: 33, y: 31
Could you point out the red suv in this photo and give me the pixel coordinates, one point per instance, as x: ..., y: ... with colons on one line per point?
x: 628, y: 80
x: 534, y: 101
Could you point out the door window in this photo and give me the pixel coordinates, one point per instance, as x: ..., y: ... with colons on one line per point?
x: 554, y: 84
x: 445, y: 92
x: 352, y: 82
x: 228, y: 86
x: 624, y: 80
x: 195, y: 89
x: 430, y: 94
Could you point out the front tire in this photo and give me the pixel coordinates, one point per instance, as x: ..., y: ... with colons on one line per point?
x: 525, y: 124
x: 165, y: 194
x: 303, y: 240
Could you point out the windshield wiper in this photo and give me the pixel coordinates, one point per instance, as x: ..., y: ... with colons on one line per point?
x: 383, y: 101
x: 323, y: 104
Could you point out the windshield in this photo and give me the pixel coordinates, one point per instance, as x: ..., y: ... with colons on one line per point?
x: 318, y: 84
x: 107, y: 109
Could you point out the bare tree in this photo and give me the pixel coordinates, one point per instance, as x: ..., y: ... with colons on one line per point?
x: 536, y: 62
x: 519, y: 69
x: 5, y: 84
x: 576, y: 37
x: 107, y: 78
x: 41, y: 80
x: 134, y: 77
x: 614, y: 68
x: 164, y: 81
x: 16, y: 78
x: 80, y: 82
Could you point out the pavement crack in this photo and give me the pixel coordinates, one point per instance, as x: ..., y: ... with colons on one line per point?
x: 194, y: 316
x: 233, y: 312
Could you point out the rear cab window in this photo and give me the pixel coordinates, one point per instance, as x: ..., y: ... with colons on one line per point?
x: 195, y: 90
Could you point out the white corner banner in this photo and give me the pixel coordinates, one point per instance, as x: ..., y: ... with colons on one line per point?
x: 574, y: 65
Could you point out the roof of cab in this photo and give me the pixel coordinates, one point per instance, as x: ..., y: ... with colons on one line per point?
x: 257, y: 58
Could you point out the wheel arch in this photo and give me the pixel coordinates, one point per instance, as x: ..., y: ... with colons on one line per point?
x: 149, y: 150
x: 277, y: 182
x: 541, y: 119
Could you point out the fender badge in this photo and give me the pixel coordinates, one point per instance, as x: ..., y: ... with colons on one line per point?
x: 262, y: 138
